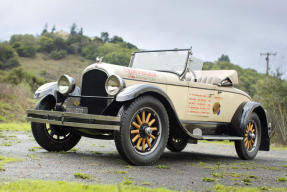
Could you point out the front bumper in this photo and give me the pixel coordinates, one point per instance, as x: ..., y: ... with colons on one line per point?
x: 78, y: 120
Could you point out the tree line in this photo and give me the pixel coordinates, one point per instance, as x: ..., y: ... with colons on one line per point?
x: 58, y: 45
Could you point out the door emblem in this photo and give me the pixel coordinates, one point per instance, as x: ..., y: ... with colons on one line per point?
x: 216, y: 108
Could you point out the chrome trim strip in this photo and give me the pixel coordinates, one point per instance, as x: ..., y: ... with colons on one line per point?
x: 218, y: 137
x: 72, y: 124
x: 75, y: 115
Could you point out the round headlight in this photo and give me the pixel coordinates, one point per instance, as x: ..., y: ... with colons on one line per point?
x: 114, y: 84
x: 66, y: 84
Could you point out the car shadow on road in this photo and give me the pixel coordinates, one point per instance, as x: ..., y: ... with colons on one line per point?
x: 113, y: 158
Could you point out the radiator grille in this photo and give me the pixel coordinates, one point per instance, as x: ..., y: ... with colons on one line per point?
x: 93, y: 84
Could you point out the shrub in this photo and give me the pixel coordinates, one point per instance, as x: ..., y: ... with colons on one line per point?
x: 12, y: 62
x: 58, y: 54
x: 18, y: 75
x: 25, y: 45
x: 6, y: 52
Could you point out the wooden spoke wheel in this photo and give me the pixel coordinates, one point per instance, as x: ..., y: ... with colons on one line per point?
x: 250, y: 136
x: 145, y: 130
x: 248, y: 147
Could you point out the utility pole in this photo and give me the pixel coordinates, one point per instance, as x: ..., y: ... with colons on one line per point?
x: 267, y: 54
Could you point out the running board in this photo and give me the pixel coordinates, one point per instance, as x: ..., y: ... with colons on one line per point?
x: 217, y: 137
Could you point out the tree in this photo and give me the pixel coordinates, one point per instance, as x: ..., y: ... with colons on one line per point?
x: 45, y: 30
x: 73, y: 29
x: 53, y: 29
x: 116, y: 39
x: 105, y: 36
x: 45, y: 43
x: 224, y: 58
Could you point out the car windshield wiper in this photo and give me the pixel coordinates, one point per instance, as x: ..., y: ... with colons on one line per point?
x: 168, y: 71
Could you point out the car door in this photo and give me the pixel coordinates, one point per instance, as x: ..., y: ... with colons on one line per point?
x: 200, y: 101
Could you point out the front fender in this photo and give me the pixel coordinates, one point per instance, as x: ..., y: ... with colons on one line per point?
x: 134, y: 91
x: 51, y: 89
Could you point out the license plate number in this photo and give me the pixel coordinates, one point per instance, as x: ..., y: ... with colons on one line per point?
x: 77, y: 109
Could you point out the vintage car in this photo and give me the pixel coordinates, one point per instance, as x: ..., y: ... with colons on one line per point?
x: 163, y: 99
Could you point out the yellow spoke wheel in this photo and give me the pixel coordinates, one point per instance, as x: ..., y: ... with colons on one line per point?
x: 249, y: 136
x: 145, y: 130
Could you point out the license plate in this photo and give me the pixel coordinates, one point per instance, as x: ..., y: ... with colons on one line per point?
x: 77, y: 109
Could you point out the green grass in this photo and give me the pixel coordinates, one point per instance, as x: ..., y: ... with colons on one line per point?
x: 82, y: 175
x: 282, y: 179
x: 278, y: 147
x: 222, y: 188
x: 15, y: 126
x: 5, y: 160
x: 60, y: 186
x: 115, y: 171
x: 208, y: 179
x: 162, y: 167
x: 225, y: 142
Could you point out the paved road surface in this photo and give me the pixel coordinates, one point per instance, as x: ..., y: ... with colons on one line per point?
x: 179, y: 171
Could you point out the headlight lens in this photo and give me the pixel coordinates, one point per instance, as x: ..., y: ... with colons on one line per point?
x: 66, y: 84
x: 114, y: 84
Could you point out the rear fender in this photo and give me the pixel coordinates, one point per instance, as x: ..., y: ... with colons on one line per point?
x: 248, y: 108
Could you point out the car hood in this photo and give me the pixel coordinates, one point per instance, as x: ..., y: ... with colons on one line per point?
x: 132, y: 73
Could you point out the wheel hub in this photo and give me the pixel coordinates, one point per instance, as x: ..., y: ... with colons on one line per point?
x: 145, y: 130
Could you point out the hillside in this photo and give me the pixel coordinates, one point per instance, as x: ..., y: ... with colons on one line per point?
x: 50, y: 69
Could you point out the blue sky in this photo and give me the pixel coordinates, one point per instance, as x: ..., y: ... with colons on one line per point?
x: 240, y: 29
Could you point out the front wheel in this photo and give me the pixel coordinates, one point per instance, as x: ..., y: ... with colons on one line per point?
x: 248, y: 147
x: 144, y: 131
x: 53, y: 137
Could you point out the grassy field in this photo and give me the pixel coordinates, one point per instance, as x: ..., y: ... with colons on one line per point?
x: 15, y: 126
x: 60, y: 186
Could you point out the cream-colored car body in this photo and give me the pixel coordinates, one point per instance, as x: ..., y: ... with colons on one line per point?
x: 193, y: 101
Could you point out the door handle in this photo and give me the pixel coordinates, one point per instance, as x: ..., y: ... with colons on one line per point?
x: 219, y: 91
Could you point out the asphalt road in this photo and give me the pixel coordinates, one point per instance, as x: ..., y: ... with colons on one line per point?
x: 179, y: 171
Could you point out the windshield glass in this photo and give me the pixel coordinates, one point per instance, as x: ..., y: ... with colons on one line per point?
x: 169, y: 61
x: 195, y: 64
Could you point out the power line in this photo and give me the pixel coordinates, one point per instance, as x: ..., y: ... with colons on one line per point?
x: 267, y: 54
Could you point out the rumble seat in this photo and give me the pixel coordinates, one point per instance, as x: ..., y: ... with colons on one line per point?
x: 217, y: 77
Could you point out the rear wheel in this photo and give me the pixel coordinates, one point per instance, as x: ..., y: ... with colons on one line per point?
x: 53, y: 137
x: 248, y: 147
x: 144, y: 131
x: 176, y: 144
